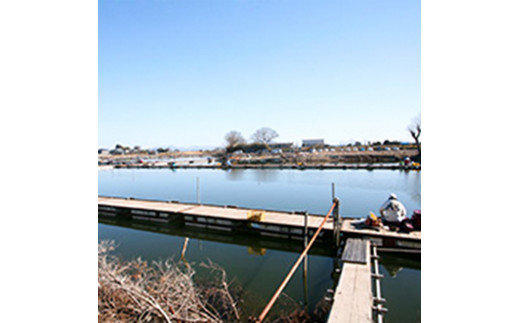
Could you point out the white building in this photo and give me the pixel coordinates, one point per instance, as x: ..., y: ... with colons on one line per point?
x: 312, y: 142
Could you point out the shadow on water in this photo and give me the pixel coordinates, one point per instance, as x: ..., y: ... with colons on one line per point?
x: 256, y: 245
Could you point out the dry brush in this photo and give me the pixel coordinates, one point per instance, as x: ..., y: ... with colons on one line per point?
x: 134, y: 291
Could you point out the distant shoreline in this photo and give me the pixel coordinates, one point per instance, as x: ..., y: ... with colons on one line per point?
x: 392, y: 160
x: 388, y: 166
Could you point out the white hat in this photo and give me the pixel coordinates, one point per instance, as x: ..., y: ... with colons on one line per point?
x: 393, y: 196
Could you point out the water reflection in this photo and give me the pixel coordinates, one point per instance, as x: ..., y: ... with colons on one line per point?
x: 256, y: 251
x: 235, y: 174
x: 255, y: 244
x: 394, y: 263
x: 401, y: 287
x: 413, y: 184
x: 266, y: 176
x: 260, y: 176
x: 392, y: 269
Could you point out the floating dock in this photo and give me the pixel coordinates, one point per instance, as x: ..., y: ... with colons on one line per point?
x: 263, y: 222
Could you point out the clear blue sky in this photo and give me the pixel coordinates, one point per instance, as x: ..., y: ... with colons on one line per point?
x: 184, y: 73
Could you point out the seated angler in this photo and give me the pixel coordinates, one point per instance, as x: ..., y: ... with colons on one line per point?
x: 393, y: 212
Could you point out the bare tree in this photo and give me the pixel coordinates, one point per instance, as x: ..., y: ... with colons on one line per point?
x: 415, y: 131
x: 264, y: 135
x: 234, y: 138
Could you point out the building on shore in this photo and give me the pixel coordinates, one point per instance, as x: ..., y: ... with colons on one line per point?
x: 312, y: 142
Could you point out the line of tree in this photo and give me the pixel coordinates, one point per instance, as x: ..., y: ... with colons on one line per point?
x: 261, y: 139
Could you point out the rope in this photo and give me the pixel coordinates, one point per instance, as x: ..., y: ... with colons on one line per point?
x: 294, y: 267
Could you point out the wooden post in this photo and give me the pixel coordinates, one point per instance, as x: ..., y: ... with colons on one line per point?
x: 305, y: 229
x: 337, y: 224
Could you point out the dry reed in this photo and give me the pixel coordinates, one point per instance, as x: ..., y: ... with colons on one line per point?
x: 134, y: 291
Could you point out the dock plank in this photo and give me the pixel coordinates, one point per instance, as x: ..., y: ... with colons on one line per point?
x: 354, y: 251
x: 141, y: 204
x: 353, y: 297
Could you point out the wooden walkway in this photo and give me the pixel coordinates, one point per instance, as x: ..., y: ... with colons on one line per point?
x: 353, y: 297
x: 225, y: 217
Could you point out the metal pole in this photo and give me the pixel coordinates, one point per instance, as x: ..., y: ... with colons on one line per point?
x: 293, y: 268
x: 305, y: 260
x: 333, y: 191
x: 198, y: 190
x: 379, y: 308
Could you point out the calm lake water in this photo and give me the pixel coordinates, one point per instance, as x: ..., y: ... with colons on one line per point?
x: 258, y: 267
